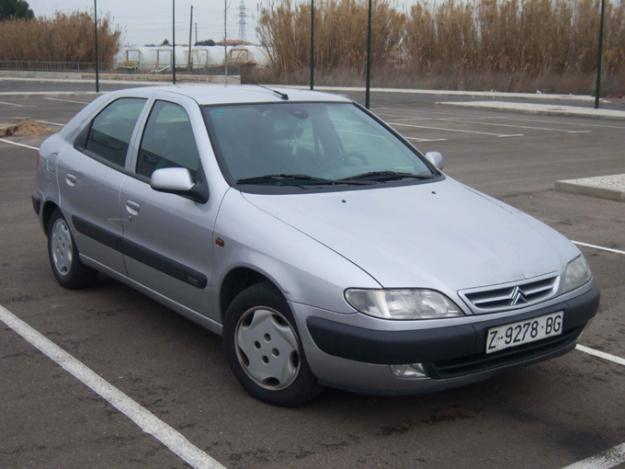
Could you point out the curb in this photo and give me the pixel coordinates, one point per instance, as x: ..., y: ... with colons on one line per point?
x: 572, y: 187
x: 482, y: 94
x: 539, y: 109
x: 113, y: 78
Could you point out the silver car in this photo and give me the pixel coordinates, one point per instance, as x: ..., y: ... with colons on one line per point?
x: 324, y: 248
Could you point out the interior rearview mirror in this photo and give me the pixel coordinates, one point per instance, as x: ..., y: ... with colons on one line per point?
x: 178, y: 181
x: 436, y: 159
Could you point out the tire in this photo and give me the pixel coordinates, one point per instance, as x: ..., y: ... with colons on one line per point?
x: 65, y: 262
x: 259, y: 323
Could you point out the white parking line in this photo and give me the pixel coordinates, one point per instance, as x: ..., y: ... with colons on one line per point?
x: 75, y: 101
x: 556, y: 121
x: 426, y: 139
x: 409, y: 112
x: 547, y: 129
x: 11, y: 104
x: 600, y: 354
x: 142, y: 417
x: 610, y: 458
x: 600, y: 248
x: 17, y: 144
x: 424, y: 116
x: 40, y: 93
x: 477, y: 132
x: 51, y: 123
x: 475, y: 121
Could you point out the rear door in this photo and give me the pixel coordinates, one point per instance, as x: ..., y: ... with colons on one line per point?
x: 90, y: 179
x: 168, y: 237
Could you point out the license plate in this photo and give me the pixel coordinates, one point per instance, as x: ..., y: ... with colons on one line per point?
x: 523, y: 332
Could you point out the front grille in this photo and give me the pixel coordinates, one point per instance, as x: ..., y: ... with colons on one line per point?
x: 521, y: 355
x: 510, y: 296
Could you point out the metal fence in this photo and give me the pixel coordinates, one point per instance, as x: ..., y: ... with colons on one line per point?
x: 368, y: 46
x: 46, y: 66
x: 177, y: 64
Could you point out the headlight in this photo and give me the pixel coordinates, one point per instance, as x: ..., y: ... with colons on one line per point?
x: 402, y: 304
x: 576, y: 274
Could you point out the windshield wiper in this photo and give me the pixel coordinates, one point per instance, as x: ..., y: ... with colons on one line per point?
x: 381, y: 176
x: 294, y: 179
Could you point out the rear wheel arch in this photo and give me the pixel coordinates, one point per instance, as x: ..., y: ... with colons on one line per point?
x: 46, y: 213
x: 63, y: 254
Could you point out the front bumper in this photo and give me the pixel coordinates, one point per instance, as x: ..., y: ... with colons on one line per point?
x: 357, y: 358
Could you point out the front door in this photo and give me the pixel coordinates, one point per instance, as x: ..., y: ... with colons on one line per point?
x: 168, y: 237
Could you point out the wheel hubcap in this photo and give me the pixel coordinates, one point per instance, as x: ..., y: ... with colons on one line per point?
x: 267, y: 348
x: 61, y: 246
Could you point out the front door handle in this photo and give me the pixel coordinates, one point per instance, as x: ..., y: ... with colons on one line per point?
x: 70, y: 179
x: 132, y: 208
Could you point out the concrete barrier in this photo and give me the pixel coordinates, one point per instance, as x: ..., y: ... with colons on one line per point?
x: 120, y: 77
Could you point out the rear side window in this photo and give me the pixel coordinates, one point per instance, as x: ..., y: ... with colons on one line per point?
x: 110, y: 132
x: 168, y: 141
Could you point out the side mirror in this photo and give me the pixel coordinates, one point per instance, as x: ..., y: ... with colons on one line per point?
x: 178, y: 181
x: 436, y: 159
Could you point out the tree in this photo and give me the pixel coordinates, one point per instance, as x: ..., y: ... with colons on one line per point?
x: 207, y: 42
x: 165, y: 42
x: 15, y: 9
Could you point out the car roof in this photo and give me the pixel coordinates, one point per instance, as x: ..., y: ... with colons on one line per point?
x: 206, y: 94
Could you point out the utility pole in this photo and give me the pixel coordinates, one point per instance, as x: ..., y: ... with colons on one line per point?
x: 368, y: 78
x: 312, y: 44
x: 190, y: 37
x: 196, y: 32
x: 226, y: 41
x: 242, y: 21
x: 600, y: 56
x: 97, y: 52
x: 173, y: 42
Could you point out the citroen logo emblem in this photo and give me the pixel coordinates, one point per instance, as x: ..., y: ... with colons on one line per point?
x: 517, y: 296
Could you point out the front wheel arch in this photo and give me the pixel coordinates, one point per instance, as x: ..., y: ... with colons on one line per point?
x: 237, y: 280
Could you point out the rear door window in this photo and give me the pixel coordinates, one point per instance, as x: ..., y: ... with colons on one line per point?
x: 111, y: 130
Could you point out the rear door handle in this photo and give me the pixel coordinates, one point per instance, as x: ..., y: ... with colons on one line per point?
x: 132, y: 208
x: 70, y: 179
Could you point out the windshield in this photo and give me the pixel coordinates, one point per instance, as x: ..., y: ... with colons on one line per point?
x: 305, y: 144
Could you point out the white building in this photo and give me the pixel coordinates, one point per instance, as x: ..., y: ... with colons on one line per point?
x: 159, y: 58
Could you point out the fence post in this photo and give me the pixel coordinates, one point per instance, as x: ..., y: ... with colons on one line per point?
x: 97, y: 52
x: 226, y: 42
x: 173, y: 41
x: 600, y: 54
x: 312, y: 44
x: 190, y: 65
x: 368, y: 79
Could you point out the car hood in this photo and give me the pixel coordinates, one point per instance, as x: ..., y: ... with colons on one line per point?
x: 440, y: 235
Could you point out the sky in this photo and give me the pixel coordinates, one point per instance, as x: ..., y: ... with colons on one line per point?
x: 149, y: 21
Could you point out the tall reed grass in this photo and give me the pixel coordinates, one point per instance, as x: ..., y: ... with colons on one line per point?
x: 479, y: 44
x: 61, y: 38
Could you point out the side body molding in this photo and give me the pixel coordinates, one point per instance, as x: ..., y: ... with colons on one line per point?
x: 142, y: 254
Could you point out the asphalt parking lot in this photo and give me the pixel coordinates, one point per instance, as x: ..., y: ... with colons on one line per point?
x: 548, y: 415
